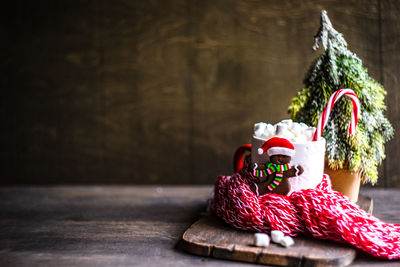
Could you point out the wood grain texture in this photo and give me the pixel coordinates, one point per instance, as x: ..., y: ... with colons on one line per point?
x: 121, y: 225
x: 391, y: 73
x: 161, y: 91
x: 211, y: 237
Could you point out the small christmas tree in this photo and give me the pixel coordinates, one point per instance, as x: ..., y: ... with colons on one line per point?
x: 339, y: 68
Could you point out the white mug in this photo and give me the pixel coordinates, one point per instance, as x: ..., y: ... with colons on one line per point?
x: 310, y: 155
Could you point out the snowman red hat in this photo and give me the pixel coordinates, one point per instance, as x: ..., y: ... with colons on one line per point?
x: 277, y: 146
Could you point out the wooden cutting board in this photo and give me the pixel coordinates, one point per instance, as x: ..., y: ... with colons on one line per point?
x: 211, y: 237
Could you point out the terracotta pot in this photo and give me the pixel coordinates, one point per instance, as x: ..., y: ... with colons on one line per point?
x: 345, y: 182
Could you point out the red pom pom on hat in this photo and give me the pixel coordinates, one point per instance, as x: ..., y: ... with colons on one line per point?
x: 277, y: 146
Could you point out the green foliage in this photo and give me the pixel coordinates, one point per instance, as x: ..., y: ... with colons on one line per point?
x: 337, y: 68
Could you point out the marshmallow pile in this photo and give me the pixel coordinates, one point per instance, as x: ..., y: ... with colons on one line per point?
x: 263, y: 240
x: 293, y: 131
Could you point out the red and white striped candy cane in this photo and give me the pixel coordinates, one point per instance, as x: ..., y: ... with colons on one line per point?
x: 323, y: 119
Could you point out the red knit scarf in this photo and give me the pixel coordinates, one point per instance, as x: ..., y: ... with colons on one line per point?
x: 320, y: 212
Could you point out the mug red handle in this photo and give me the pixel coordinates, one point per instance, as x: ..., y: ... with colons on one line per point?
x: 238, y: 157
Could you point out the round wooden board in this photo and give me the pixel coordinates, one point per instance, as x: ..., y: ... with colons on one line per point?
x: 211, y: 237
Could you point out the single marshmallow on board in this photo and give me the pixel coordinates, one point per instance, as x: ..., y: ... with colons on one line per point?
x: 261, y: 240
x: 279, y: 238
x: 287, y: 241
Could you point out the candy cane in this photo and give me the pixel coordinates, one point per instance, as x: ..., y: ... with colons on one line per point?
x: 323, y: 119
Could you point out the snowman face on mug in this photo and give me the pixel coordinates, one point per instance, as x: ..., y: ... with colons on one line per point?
x: 280, y: 159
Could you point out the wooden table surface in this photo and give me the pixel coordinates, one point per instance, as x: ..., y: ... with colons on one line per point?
x: 120, y: 225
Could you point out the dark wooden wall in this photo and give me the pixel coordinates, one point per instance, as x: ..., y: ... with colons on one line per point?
x: 163, y: 91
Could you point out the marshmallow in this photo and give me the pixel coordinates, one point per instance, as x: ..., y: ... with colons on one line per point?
x: 287, y: 241
x: 261, y: 240
x: 281, y: 127
x: 270, y: 128
x: 277, y: 236
x: 259, y: 128
x: 296, y: 129
x: 293, y: 131
x: 282, y: 131
x: 267, y: 135
x: 303, y: 125
x: 269, y: 131
x: 264, y: 130
x: 309, y: 133
x: 288, y: 122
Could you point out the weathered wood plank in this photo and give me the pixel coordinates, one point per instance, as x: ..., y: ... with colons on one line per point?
x: 102, y: 226
x: 228, y: 243
x: 119, y: 225
x: 209, y: 236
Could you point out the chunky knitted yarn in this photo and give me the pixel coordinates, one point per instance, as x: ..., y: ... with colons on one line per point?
x: 320, y: 212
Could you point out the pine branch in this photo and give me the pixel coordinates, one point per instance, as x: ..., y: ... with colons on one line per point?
x: 337, y: 67
x: 327, y: 35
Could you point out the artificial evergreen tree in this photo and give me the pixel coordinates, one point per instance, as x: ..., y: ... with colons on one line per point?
x: 337, y: 68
